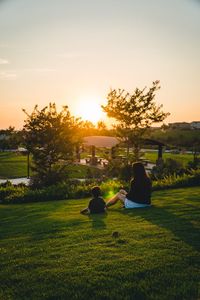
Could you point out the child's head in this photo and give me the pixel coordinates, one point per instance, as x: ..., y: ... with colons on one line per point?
x: 95, y: 191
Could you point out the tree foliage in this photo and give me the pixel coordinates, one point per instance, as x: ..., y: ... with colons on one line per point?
x: 10, y: 138
x: 134, y: 113
x: 50, y: 137
x: 187, y: 139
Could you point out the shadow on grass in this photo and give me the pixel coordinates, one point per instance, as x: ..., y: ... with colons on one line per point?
x: 33, y: 219
x: 39, y: 221
x: 98, y: 220
x: 179, y: 226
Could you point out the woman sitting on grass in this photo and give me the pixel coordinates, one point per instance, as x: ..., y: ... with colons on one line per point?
x: 97, y: 204
x: 140, y: 190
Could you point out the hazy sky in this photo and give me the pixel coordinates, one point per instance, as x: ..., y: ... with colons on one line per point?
x: 73, y: 51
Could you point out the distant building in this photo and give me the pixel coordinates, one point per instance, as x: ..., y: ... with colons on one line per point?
x: 185, y: 125
x: 179, y: 125
x: 195, y: 125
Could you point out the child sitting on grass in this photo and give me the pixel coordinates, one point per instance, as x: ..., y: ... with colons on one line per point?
x: 96, y: 204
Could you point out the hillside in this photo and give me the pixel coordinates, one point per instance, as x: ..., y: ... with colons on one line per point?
x: 50, y: 251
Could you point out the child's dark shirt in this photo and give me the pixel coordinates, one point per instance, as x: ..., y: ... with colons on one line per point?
x: 97, y: 205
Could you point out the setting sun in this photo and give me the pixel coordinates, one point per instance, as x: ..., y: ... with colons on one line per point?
x: 89, y: 109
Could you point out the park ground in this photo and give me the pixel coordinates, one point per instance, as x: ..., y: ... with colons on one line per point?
x: 50, y: 251
x: 14, y: 165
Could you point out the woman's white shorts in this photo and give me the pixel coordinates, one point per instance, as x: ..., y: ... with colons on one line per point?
x: 128, y: 203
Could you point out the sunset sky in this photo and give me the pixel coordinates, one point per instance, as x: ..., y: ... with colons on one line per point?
x: 73, y: 51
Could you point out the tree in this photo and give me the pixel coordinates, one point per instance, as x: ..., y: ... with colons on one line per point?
x: 134, y: 113
x: 102, y: 129
x: 50, y: 137
x: 86, y: 128
x: 10, y: 138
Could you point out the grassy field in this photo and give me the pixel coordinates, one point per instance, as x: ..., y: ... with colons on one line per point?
x: 14, y: 165
x: 50, y: 251
x: 182, y: 158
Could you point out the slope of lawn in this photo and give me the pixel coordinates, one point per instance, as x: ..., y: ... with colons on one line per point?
x: 50, y: 251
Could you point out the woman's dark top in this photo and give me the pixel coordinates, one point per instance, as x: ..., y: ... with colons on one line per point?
x: 140, y: 192
x: 97, y: 205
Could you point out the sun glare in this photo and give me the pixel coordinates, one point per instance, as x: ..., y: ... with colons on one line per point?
x: 89, y: 109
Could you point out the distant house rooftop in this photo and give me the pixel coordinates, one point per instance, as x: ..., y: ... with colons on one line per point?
x: 185, y: 125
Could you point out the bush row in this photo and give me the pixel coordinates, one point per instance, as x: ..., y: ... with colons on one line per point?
x: 178, y: 181
x: 74, y: 189
x: 67, y: 190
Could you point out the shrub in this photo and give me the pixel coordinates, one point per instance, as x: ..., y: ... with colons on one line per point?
x: 68, y: 190
x: 119, y: 169
x: 113, y: 167
x: 168, y: 167
x: 11, y: 193
x: 45, y: 179
x: 74, y: 189
x: 92, y: 173
x: 195, y: 164
x: 176, y: 181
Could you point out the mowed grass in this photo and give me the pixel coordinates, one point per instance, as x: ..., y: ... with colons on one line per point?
x: 50, y: 251
x: 12, y: 165
x: 184, y: 159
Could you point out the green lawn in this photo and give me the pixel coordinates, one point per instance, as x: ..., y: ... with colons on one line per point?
x: 182, y: 158
x: 14, y: 165
x: 50, y: 251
